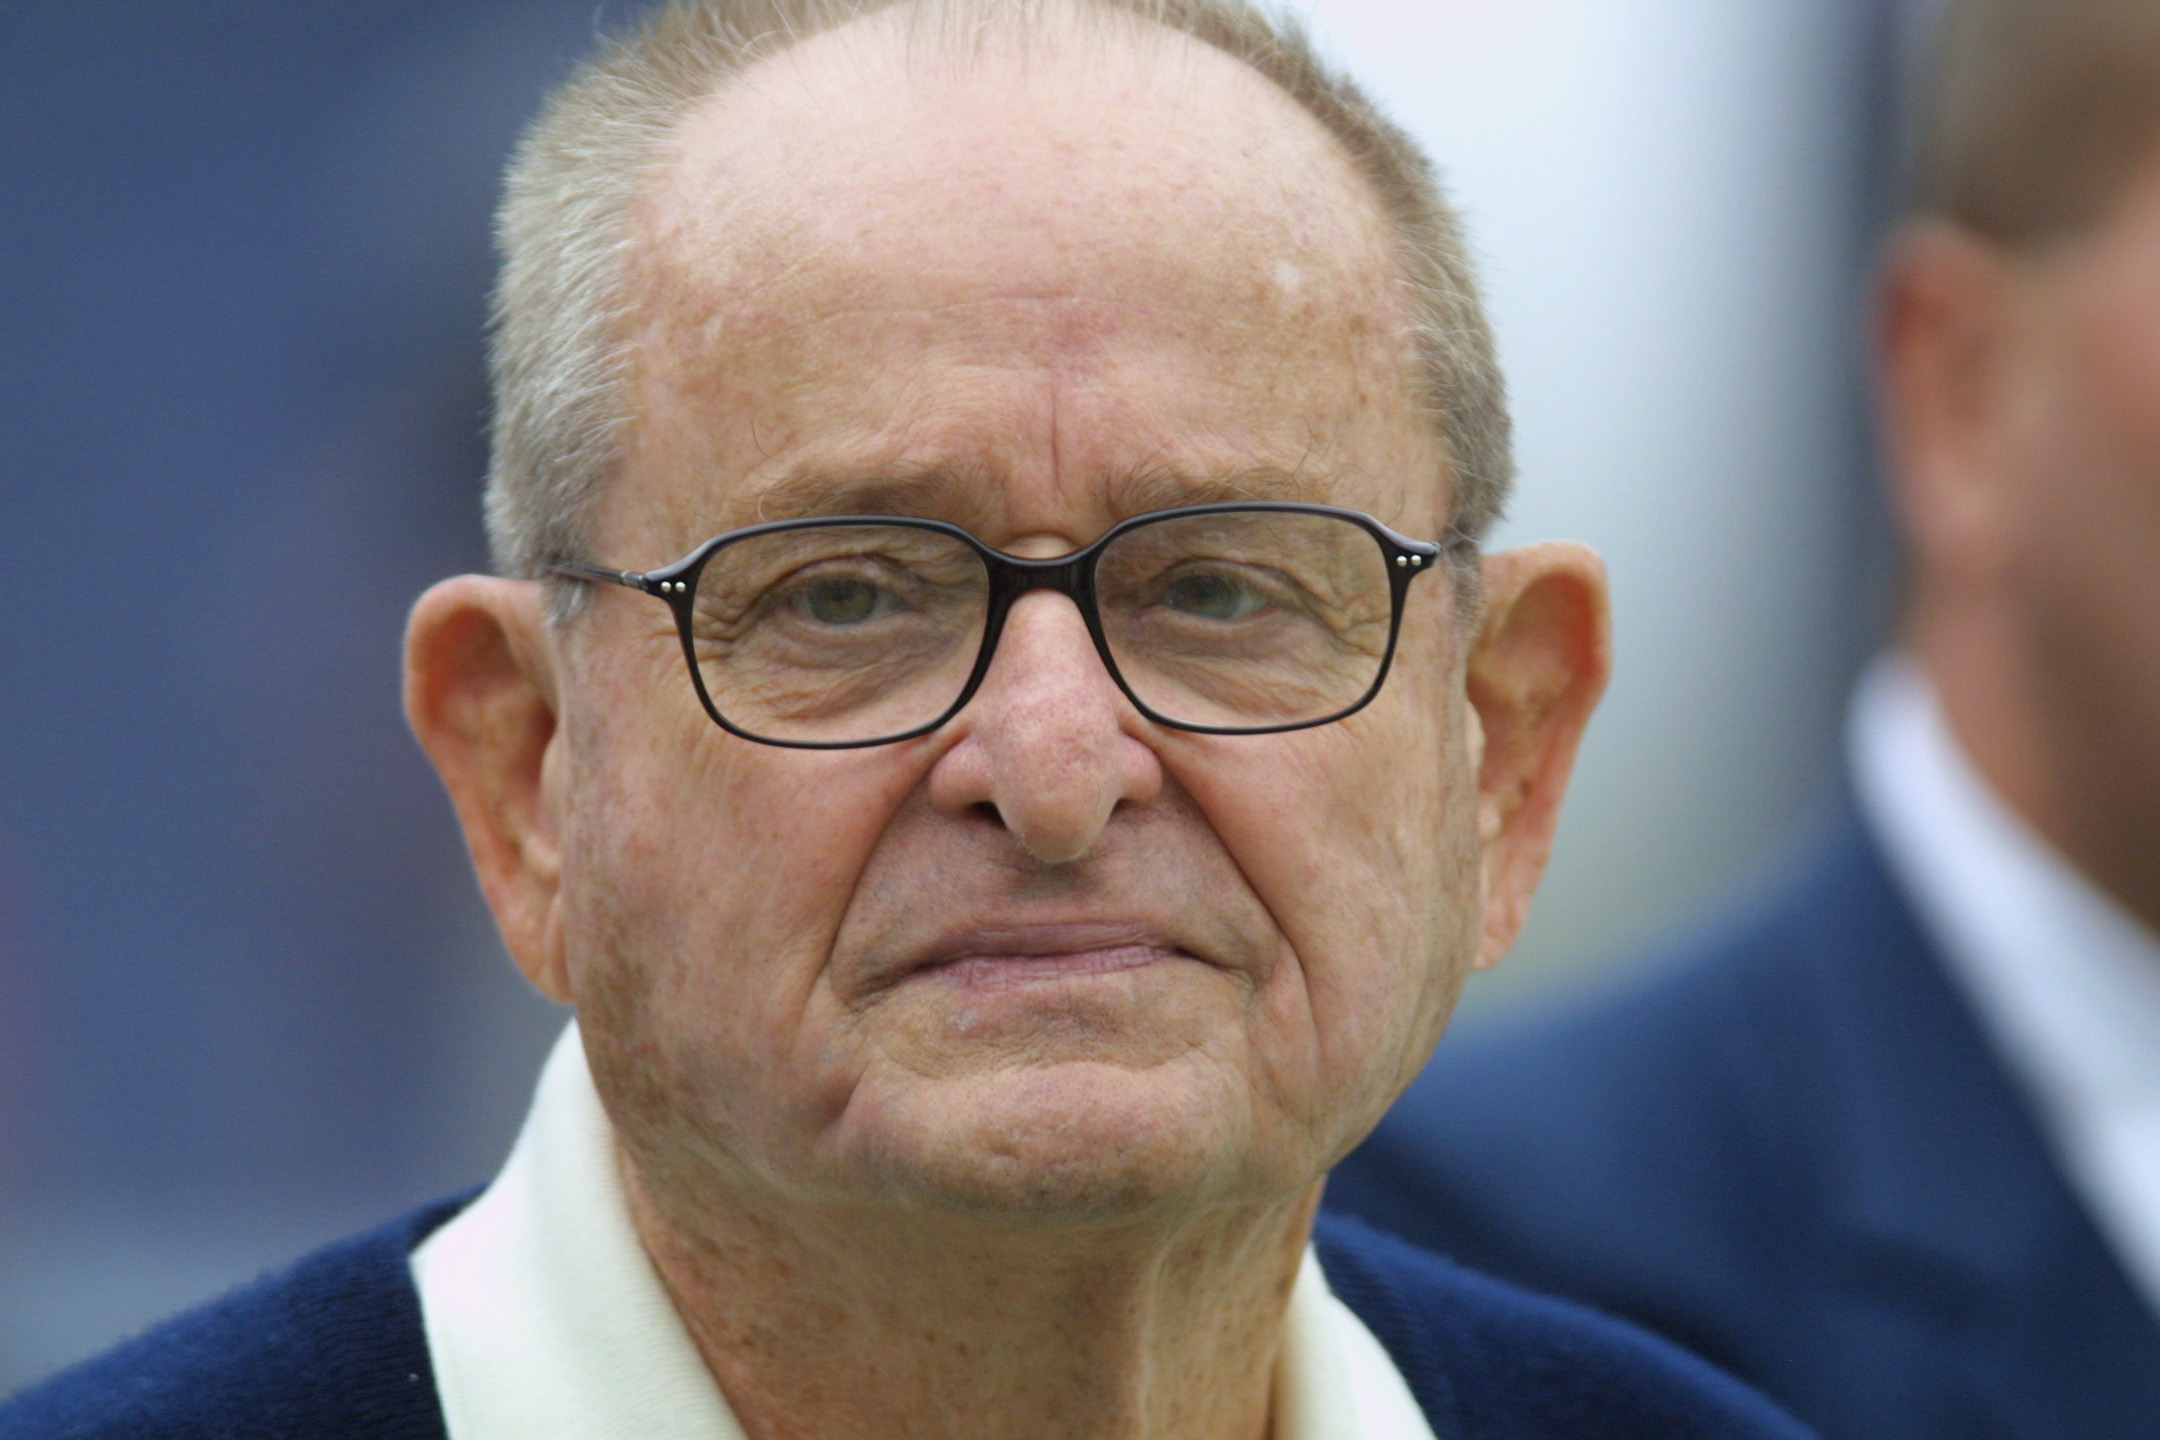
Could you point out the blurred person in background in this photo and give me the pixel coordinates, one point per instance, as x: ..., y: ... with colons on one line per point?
x: 1001, y: 868
x: 1888, y: 1142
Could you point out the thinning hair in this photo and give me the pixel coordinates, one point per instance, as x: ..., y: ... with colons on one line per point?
x: 559, y: 357
x: 2036, y: 115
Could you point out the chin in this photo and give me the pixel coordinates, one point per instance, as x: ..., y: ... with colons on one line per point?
x: 1073, y: 1142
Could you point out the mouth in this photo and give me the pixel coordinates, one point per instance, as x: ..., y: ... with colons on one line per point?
x: 1011, y: 958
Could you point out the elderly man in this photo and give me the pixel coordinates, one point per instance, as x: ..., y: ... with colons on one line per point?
x: 999, y: 731
x: 1890, y: 1142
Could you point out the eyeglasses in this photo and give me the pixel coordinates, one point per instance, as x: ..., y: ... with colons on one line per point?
x: 846, y: 631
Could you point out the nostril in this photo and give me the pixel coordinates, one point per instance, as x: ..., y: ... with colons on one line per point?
x: 988, y: 810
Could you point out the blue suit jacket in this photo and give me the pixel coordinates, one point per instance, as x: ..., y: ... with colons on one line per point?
x: 333, y: 1349
x: 1792, y: 1152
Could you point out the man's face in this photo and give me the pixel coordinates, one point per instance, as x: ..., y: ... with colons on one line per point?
x: 1051, y: 957
x: 2083, y: 436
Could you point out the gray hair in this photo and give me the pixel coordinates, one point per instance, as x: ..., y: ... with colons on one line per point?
x: 559, y: 359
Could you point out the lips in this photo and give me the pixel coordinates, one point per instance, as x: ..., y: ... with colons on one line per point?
x: 1004, y: 957
x: 1005, y: 972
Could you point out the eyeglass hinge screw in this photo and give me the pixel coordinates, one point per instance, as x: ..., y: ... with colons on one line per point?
x: 1416, y: 561
x: 1401, y: 560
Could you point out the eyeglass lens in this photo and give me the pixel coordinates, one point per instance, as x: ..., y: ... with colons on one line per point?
x: 1225, y: 620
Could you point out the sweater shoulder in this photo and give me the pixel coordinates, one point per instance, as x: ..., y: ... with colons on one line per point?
x: 1489, y: 1361
x: 332, y: 1346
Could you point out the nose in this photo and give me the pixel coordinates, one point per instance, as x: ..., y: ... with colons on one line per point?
x: 1049, y: 744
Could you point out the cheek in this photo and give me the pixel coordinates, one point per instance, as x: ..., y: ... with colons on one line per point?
x: 1359, y: 839
x: 2090, y: 527
x: 2090, y: 518
x: 2117, y: 362
x: 705, y: 878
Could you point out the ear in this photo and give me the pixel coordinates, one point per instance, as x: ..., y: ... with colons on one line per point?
x: 1946, y: 320
x: 1542, y: 656
x: 480, y: 693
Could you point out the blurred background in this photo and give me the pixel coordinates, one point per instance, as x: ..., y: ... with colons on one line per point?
x: 249, y: 999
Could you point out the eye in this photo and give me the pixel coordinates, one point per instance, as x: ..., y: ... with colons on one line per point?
x: 841, y: 600
x: 1212, y: 595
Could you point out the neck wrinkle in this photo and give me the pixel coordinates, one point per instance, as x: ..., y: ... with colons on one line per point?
x: 823, y: 1326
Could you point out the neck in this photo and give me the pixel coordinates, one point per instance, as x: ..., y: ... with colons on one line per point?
x: 2053, y: 764
x: 867, y: 1326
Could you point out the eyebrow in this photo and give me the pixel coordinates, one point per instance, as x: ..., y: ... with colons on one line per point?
x: 1161, y: 487
x: 964, y: 493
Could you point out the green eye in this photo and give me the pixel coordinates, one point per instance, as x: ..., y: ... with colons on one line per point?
x: 1212, y: 597
x: 844, y: 602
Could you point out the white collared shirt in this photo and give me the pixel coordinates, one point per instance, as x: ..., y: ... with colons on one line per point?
x: 2065, y: 983
x: 546, y: 1321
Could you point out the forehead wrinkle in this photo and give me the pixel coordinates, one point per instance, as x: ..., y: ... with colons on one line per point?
x: 1054, y: 336
x: 737, y: 251
x: 970, y: 493
x: 941, y: 410
x: 708, y: 286
x: 959, y: 491
x: 779, y: 278
x: 1156, y: 486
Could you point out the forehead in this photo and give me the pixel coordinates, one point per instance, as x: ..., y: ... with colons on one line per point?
x: 1080, y: 270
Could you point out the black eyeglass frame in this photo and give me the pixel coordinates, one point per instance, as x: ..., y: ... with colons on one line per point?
x: 1012, y: 576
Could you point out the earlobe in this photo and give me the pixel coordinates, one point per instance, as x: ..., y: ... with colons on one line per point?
x: 1540, y: 663
x: 480, y: 694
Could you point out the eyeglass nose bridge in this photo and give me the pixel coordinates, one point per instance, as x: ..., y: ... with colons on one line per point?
x: 1014, y: 576
x: 1071, y: 575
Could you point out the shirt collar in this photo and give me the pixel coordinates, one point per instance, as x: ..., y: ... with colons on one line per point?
x: 2064, y: 982
x: 546, y: 1321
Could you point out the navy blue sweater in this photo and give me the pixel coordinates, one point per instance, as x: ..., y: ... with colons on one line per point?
x: 333, y: 1349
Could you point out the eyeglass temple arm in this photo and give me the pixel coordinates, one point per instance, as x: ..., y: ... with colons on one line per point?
x: 631, y: 579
